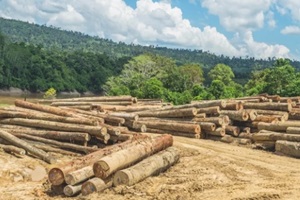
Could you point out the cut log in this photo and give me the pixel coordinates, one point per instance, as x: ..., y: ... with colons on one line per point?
x: 44, y: 108
x: 27, y: 147
x: 265, y: 145
x: 216, y: 120
x: 234, y: 105
x: 126, y: 157
x: 79, y: 175
x: 236, y: 115
x: 210, y: 110
x: 72, y: 190
x: 269, y: 106
x: 278, y: 126
x: 186, y: 112
x: 209, y: 103
x: 174, y: 133
x: 173, y: 126
x: 91, y: 99
x: 94, y: 185
x: 252, y: 114
x: 12, y: 149
x: 57, y: 174
x: 233, y: 130
x: 59, y: 144
x: 136, y: 126
x: 245, y: 135
x: 55, y: 135
x: 288, y: 148
x: 51, y: 148
x: 207, y: 126
x: 218, y: 132
x: 273, y: 136
x: 266, y: 118
x: 97, y: 131
x: 126, y: 116
x: 152, y: 165
x: 293, y: 130
x: 285, y: 115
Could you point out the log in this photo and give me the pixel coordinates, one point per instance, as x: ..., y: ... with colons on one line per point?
x: 173, y: 126
x: 269, y: 106
x: 12, y: 149
x: 132, y: 108
x: 278, y: 126
x: 126, y: 157
x: 245, y: 135
x: 126, y: 116
x: 273, y: 136
x: 210, y: 110
x: 94, y: 185
x: 57, y: 174
x: 285, y: 115
x: 175, y: 133
x: 91, y: 99
x: 265, y: 145
x: 72, y: 190
x: 55, y: 135
x: 208, y: 103
x: 44, y: 108
x: 207, y: 126
x: 97, y: 131
x: 59, y: 144
x: 267, y: 118
x: 252, y: 114
x: 236, y: 115
x: 152, y: 165
x: 51, y: 148
x: 294, y: 116
x: 288, y: 148
x: 185, y: 112
x: 220, y: 121
x: 233, y: 130
x: 218, y: 132
x: 234, y: 105
x: 293, y: 130
x: 27, y: 147
x: 79, y: 175
x: 136, y: 126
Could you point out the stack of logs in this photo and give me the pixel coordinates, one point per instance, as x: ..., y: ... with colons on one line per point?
x: 108, y: 130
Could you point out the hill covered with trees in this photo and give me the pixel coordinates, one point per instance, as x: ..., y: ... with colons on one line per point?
x: 55, y: 39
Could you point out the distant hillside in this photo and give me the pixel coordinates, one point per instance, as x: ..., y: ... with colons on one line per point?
x: 56, y: 39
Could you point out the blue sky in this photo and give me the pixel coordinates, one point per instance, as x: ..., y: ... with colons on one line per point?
x: 260, y: 29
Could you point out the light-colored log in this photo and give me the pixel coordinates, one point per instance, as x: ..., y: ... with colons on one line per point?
x: 216, y: 120
x: 273, y: 136
x: 173, y: 126
x: 72, y: 190
x: 293, y: 130
x: 79, y: 175
x: 218, y: 132
x: 126, y: 157
x: 27, y: 147
x: 186, y: 112
x: 126, y: 116
x: 94, y: 185
x: 269, y: 106
x: 90, y: 99
x: 174, y: 133
x: 288, y: 148
x: 97, y: 131
x: 207, y: 126
x: 12, y: 149
x: 210, y: 110
x: 236, y: 115
x: 152, y: 165
x: 285, y: 115
x: 57, y: 174
x: 233, y: 130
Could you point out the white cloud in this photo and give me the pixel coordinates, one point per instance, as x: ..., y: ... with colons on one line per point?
x: 291, y: 30
x: 153, y: 22
x: 239, y: 15
x: 290, y: 6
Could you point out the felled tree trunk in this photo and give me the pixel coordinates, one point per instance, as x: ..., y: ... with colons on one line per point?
x: 94, y: 185
x: 72, y: 190
x: 269, y: 106
x: 172, y: 113
x: 288, y: 148
x: 152, y: 165
x: 24, y: 145
x: 12, y: 149
x: 79, y: 175
x: 236, y: 115
x: 124, y: 158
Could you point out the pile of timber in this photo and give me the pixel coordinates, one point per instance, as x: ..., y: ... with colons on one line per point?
x: 120, y: 164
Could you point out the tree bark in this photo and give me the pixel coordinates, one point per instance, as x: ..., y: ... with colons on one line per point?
x: 207, y: 126
x: 216, y: 120
x: 273, y: 136
x: 236, y: 115
x: 79, y: 175
x: 152, y: 165
x: 97, y: 131
x: 91, y: 99
x: 27, y: 147
x: 285, y: 115
x: 210, y: 110
x: 124, y: 158
x: 126, y: 116
x: 233, y: 130
x: 175, y: 133
x: 293, y: 130
x: 218, y: 132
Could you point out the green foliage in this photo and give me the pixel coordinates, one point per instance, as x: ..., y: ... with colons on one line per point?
x: 153, y: 88
x: 221, y: 72
x: 50, y: 93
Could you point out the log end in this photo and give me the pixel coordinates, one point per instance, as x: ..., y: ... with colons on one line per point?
x: 121, y: 178
x: 56, y: 176
x: 101, y: 169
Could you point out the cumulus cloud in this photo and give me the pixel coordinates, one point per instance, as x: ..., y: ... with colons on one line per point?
x: 291, y: 30
x: 290, y: 6
x: 153, y: 22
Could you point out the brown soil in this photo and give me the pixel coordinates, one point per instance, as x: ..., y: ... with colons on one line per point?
x: 206, y: 170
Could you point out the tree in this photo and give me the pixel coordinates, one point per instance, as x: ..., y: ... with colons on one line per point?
x: 221, y: 72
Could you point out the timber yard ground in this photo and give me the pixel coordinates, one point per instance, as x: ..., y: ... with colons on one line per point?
x: 206, y: 170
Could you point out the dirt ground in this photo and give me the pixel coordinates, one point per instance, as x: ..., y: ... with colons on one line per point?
x: 206, y: 170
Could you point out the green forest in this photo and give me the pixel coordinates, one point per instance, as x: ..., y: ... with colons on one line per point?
x: 36, y: 58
